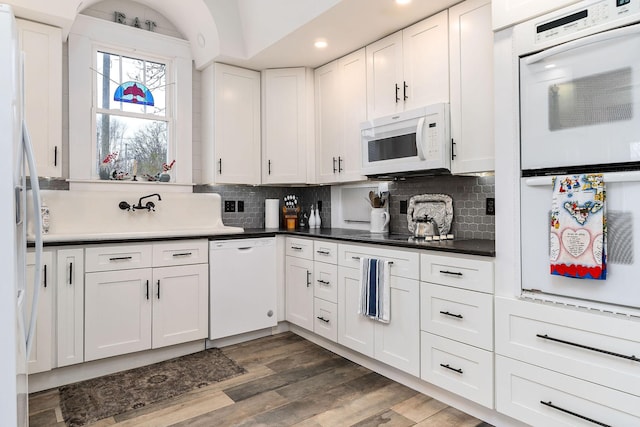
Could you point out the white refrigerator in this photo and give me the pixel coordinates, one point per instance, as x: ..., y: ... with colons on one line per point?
x: 15, y: 151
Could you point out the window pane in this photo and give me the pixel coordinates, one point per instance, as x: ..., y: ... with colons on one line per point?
x: 114, y: 70
x: 125, y: 142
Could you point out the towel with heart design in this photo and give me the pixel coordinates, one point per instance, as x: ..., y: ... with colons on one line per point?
x: 577, y: 241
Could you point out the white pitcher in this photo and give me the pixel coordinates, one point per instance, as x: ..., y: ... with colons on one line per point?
x: 379, y: 220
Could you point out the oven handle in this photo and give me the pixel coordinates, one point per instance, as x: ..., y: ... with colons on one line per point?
x: 419, y: 141
x: 596, y: 38
x: 629, y: 176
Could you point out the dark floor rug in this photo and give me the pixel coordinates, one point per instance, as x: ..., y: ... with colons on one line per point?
x: 88, y: 401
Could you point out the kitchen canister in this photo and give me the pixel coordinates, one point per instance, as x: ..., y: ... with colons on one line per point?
x: 272, y: 213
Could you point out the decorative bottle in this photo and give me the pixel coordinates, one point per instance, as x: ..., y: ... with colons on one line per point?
x: 318, y: 220
x: 44, y: 214
x: 312, y: 218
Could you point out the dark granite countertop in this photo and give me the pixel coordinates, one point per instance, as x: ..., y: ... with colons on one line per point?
x: 463, y: 246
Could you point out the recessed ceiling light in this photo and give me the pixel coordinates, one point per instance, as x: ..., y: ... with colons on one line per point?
x: 403, y: 2
x: 320, y: 44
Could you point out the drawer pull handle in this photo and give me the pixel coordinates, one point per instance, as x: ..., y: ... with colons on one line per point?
x: 358, y: 258
x: 575, y: 414
x: 586, y: 347
x: 183, y: 254
x: 323, y: 252
x: 120, y: 258
x: 323, y: 319
x: 454, y: 273
x: 296, y: 248
x: 458, y: 370
x: 323, y: 282
x: 446, y: 313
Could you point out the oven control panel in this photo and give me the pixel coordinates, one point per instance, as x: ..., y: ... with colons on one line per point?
x: 591, y: 15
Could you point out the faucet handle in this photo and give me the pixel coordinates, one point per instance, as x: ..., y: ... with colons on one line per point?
x: 124, y: 206
x: 150, y: 206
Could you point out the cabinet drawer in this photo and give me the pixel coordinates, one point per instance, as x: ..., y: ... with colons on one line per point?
x: 458, y: 314
x: 405, y: 263
x: 325, y: 319
x: 180, y: 253
x: 109, y: 258
x: 462, y: 271
x: 521, y: 390
x: 325, y: 281
x: 457, y: 367
x: 301, y: 248
x: 594, y: 347
x: 325, y: 251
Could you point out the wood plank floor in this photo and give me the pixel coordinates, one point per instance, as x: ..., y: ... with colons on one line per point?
x: 289, y: 382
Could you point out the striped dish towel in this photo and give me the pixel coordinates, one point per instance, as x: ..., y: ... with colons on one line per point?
x: 375, y: 291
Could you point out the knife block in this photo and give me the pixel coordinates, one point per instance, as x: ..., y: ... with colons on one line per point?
x: 290, y: 217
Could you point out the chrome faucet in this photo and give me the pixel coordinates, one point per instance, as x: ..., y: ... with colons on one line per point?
x: 149, y: 206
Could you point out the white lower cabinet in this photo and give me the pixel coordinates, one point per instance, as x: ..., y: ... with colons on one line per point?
x: 541, y: 397
x: 396, y: 343
x: 70, y: 306
x: 325, y: 321
x: 299, y: 291
x: 129, y: 310
x: 118, y: 311
x: 41, y: 357
x: 457, y: 367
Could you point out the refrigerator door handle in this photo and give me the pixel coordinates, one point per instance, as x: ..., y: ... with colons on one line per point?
x: 37, y: 220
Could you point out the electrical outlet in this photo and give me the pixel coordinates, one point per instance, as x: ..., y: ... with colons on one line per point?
x: 240, y: 205
x: 229, y: 205
x: 403, y: 206
x: 490, y: 208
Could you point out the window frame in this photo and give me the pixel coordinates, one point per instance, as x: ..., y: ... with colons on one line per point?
x: 87, y: 36
x: 170, y: 95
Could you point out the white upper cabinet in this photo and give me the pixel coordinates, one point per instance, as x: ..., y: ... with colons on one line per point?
x: 340, y: 89
x: 230, y: 125
x: 409, y: 68
x: 42, y: 47
x: 471, y: 62
x: 509, y: 12
x: 287, y: 144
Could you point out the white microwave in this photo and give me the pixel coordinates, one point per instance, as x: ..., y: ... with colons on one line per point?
x: 411, y: 142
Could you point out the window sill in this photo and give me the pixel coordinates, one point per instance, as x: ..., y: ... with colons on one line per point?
x: 128, y: 186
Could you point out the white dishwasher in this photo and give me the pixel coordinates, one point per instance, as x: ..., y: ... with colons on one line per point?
x: 242, y: 286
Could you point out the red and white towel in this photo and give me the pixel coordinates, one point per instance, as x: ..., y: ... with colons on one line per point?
x: 577, y: 239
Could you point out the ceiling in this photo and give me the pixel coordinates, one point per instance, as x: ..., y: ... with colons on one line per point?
x: 347, y: 26
x: 260, y: 34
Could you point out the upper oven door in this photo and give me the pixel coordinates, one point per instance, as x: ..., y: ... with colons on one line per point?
x: 580, y: 102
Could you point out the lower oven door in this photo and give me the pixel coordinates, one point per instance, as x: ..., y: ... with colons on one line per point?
x: 622, y: 240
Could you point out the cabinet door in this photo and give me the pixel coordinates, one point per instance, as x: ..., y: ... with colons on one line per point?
x: 325, y: 281
x: 426, y: 62
x: 328, y: 122
x: 509, y: 12
x: 354, y: 330
x: 352, y: 71
x: 117, y: 312
x: 471, y: 48
x: 284, y: 147
x: 42, y: 47
x: 299, y: 273
x: 397, y: 343
x: 180, y: 304
x: 41, y: 357
x: 236, y: 125
x: 70, y: 306
x: 384, y: 76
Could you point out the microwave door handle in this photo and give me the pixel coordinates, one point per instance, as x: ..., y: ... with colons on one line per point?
x: 596, y: 38
x: 420, y: 139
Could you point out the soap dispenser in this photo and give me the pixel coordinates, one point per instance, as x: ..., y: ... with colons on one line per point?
x: 312, y: 218
x: 318, y: 219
